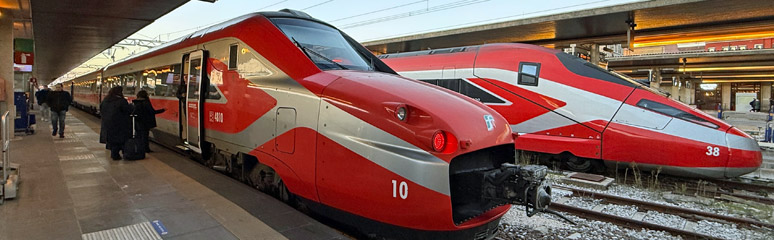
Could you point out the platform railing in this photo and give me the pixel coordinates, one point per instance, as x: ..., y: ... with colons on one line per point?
x: 6, y: 142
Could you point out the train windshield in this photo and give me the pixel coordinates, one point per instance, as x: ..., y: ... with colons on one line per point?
x: 324, y: 45
x: 673, y: 112
x: 585, y: 68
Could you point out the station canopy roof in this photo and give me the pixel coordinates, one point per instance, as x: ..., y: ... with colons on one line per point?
x: 67, y: 33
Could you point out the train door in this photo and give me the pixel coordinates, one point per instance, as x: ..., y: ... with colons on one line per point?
x: 194, y: 100
x: 181, y: 98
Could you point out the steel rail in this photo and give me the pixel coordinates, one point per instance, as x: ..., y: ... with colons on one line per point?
x: 669, y: 209
x: 626, y: 222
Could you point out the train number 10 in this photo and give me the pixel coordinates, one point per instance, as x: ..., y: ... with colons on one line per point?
x: 401, y: 188
x: 713, y: 151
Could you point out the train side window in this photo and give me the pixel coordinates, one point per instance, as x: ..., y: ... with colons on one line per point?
x: 529, y: 73
x: 466, y: 88
x: 212, y: 92
x: 673, y: 112
x: 232, y: 56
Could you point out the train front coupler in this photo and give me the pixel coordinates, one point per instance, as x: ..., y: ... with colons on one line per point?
x: 520, y: 185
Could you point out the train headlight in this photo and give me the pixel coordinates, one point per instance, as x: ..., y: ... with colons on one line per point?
x: 439, y: 141
x: 401, y: 113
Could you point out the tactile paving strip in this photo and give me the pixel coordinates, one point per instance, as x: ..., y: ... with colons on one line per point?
x: 76, y: 157
x: 140, y: 231
x: 68, y: 140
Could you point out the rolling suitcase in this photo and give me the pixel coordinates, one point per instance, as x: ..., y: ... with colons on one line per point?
x: 134, y: 149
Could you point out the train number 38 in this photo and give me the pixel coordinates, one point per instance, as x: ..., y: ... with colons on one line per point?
x: 713, y: 151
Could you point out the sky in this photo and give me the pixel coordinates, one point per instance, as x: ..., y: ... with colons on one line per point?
x: 362, y: 20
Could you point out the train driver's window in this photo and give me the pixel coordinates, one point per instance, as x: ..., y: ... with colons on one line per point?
x: 529, y: 73
x: 673, y: 112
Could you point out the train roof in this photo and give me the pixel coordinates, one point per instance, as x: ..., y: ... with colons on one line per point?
x: 284, y: 13
x: 468, y: 49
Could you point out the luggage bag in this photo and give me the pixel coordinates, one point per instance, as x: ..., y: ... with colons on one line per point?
x: 134, y: 148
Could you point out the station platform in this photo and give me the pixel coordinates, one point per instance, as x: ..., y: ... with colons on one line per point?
x: 71, y: 189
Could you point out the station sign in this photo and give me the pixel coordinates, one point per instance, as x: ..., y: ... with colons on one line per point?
x: 22, y: 68
x: 23, y: 45
x: 23, y: 58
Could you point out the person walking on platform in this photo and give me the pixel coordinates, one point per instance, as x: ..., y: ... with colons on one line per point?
x: 146, y: 117
x: 59, y: 102
x: 41, y: 96
x: 116, y: 125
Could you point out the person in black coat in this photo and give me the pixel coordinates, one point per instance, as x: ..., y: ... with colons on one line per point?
x: 146, y: 116
x: 116, y: 124
x: 59, y: 102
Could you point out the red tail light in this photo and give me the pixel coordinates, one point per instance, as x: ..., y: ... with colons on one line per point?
x: 439, y: 141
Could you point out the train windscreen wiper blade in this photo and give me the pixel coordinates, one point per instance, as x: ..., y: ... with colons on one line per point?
x: 308, y: 51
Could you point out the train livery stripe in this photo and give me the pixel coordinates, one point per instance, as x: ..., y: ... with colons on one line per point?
x: 576, y: 108
x: 384, y: 149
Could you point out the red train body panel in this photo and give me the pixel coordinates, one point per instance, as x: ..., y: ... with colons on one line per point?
x: 288, y: 103
x: 560, y: 104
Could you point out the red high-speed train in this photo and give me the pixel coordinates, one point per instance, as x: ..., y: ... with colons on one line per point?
x: 562, y: 107
x: 295, y: 107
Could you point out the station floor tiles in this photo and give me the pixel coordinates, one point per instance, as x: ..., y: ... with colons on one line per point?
x: 70, y: 187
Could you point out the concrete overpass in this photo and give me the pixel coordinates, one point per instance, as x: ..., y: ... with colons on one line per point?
x: 657, y: 23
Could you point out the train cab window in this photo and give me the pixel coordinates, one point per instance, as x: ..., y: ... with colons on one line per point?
x: 673, y: 112
x: 529, y: 73
x: 325, y: 46
x: 232, y: 56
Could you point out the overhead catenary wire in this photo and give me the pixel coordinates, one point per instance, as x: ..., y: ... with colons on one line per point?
x: 414, y: 13
x: 219, y: 21
x: 380, y: 10
x: 481, y: 21
x: 316, y: 5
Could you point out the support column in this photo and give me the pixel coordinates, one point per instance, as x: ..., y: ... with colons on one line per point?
x: 6, y: 63
x: 725, y: 91
x: 594, y: 53
x: 675, y: 89
x: 765, y: 96
x: 655, y: 78
x: 687, y: 92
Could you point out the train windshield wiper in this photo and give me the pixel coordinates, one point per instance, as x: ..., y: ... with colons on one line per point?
x: 308, y: 51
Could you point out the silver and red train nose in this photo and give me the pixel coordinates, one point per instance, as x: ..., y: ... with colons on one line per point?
x: 744, y: 153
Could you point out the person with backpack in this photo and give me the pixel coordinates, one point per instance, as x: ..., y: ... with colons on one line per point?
x: 145, y: 117
x: 116, y: 124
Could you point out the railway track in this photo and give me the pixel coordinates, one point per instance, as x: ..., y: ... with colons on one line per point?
x: 638, y: 219
x: 762, y: 192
